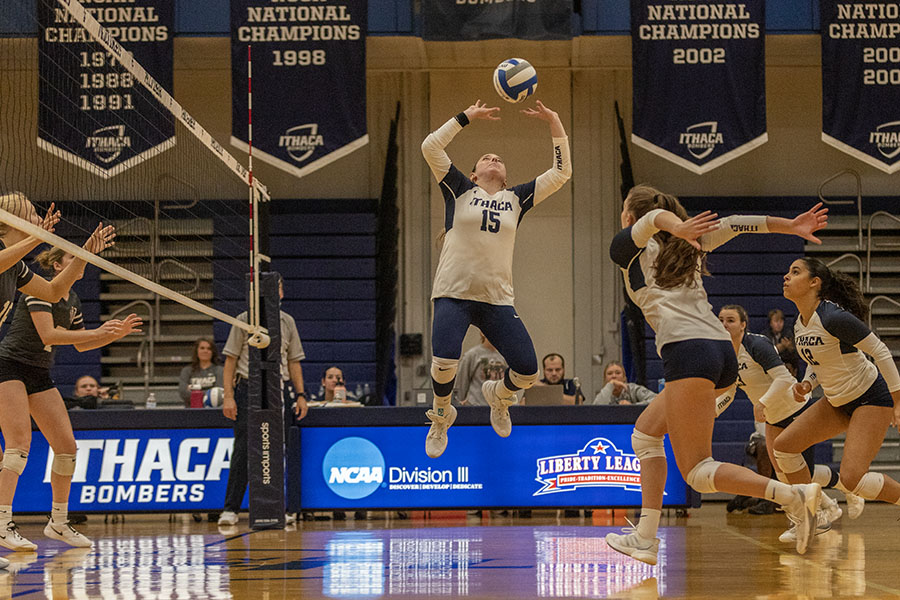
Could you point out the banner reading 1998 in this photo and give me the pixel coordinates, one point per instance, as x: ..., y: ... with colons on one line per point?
x: 309, y: 80
x: 93, y: 113
x: 861, y: 81
x: 699, y: 80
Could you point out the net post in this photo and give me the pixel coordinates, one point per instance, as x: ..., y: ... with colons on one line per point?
x: 266, y: 415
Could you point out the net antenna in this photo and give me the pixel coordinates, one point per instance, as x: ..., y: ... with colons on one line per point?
x: 86, y: 179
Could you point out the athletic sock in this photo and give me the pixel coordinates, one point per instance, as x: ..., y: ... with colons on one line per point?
x: 441, y: 403
x: 59, y: 513
x: 649, y: 523
x: 781, y: 493
x: 5, y: 515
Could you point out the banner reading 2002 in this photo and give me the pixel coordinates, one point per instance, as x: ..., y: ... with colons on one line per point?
x: 309, y: 80
x: 699, y: 80
x: 861, y: 81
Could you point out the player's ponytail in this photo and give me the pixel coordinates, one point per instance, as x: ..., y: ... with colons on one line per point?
x: 48, y: 258
x: 678, y: 261
x: 838, y: 288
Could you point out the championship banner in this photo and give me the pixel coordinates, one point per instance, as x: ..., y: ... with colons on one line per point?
x: 93, y: 113
x: 861, y: 81
x: 309, y: 80
x: 699, y: 80
x: 471, y: 20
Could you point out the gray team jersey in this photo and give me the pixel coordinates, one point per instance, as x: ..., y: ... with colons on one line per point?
x: 22, y: 342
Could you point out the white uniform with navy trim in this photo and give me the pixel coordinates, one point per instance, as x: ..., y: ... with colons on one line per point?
x: 477, y: 255
x: 764, y: 378
x: 833, y: 344
x: 683, y: 312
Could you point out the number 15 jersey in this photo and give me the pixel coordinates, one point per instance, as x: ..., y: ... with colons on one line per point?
x: 477, y: 255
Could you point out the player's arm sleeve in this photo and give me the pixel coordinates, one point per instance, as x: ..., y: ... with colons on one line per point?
x: 731, y: 227
x: 763, y: 352
x: 436, y: 141
x: 845, y: 326
x: 23, y: 274
x: 35, y: 304
x: 875, y: 348
x: 811, y: 378
x: 782, y: 382
x: 558, y: 174
x: 725, y: 400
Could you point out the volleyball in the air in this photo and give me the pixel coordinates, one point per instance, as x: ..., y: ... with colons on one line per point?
x: 213, y: 397
x: 515, y: 79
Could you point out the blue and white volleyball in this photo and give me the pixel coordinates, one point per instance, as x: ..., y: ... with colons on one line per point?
x: 212, y: 398
x: 515, y: 79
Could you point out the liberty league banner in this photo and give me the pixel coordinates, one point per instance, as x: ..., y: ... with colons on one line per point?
x: 93, y: 113
x: 861, y: 81
x: 469, y: 20
x: 309, y: 80
x: 699, y: 80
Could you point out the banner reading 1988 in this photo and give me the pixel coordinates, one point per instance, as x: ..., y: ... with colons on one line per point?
x: 93, y: 113
x: 699, y: 80
x: 309, y: 80
x: 861, y: 81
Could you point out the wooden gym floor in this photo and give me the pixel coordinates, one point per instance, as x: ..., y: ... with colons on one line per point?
x: 709, y: 554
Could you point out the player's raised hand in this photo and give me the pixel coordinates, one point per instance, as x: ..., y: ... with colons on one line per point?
x: 51, y: 218
x: 101, y: 239
x: 696, y: 226
x: 806, y: 224
x: 540, y: 112
x: 480, y: 110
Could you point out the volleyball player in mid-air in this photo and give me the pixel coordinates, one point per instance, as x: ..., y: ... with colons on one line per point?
x: 27, y: 391
x: 661, y: 253
x: 861, y: 398
x: 769, y: 386
x: 473, y: 283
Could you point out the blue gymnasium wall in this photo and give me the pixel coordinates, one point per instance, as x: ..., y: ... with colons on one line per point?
x: 397, y: 17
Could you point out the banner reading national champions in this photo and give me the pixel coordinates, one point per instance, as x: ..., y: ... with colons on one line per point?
x: 861, y: 81
x: 472, y: 20
x: 538, y: 465
x: 699, y: 80
x: 93, y: 113
x: 308, y: 78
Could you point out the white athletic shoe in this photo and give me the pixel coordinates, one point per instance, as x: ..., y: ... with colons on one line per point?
x: 631, y: 543
x: 500, y: 420
x: 66, y: 533
x: 823, y: 524
x: 3, y: 563
x: 228, y: 518
x: 855, y: 505
x: 290, y: 519
x: 830, y: 507
x: 803, y: 510
x: 12, y: 539
x: 441, y: 420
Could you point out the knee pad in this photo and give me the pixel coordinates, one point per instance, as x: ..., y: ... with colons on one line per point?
x: 790, y: 462
x: 647, y: 446
x: 15, y: 460
x: 443, y: 372
x: 869, y: 486
x: 520, y: 381
x: 702, y: 476
x: 63, y: 464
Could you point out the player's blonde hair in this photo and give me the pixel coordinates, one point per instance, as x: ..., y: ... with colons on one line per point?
x: 678, y: 261
x: 48, y: 258
x: 15, y: 203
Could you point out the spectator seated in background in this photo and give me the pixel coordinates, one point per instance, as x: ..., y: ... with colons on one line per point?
x: 202, y: 376
x: 479, y: 364
x: 617, y: 390
x: 782, y: 335
x: 332, y: 389
x: 555, y: 374
x: 87, y: 393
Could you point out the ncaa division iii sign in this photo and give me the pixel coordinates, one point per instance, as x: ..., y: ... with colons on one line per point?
x: 308, y: 80
x: 93, y: 113
x: 699, y: 95
x: 861, y: 81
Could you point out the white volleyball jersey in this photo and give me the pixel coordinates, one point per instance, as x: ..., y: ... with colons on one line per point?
x: 828, y: 345
x: 757, y: 358
x: 477, y: 255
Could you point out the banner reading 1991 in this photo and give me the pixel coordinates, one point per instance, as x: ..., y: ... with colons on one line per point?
x: 699, y: 80
x: 309, y: 80
x: 93, y: 113
x: 861, y: 81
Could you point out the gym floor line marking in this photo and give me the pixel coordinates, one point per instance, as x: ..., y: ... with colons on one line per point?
x: 803, y: 558
x: 234, y: 537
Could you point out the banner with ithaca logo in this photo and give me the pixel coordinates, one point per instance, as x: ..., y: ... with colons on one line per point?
x: 309, y: 81
x: 92, y: 112
x: 861, y: 81
x: 134, y: 470
x: 461, y: 20
x: 699, y: 80
x: 538, y: 465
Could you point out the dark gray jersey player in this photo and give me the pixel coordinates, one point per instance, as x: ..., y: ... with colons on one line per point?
x: 23, y: 344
